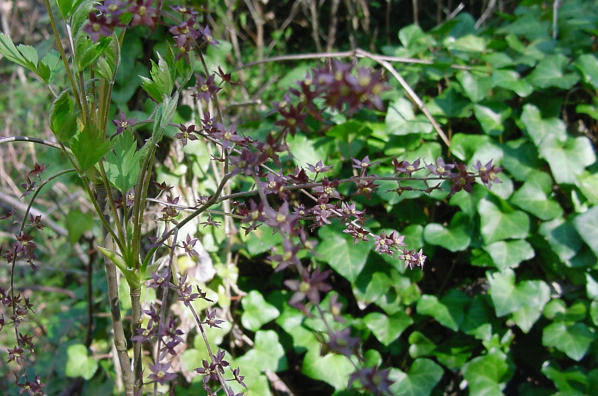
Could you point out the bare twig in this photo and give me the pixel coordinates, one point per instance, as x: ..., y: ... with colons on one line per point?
x: 487, y: 12
x: 412, y: 95
x: 415, y: 12
x: 555, y: 18
x: 315, y: 27
x: 345, y: 54
x: 332, y: 26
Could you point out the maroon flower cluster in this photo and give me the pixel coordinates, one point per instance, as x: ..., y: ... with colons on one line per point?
x: 110, y: 14
x: 341, y: 87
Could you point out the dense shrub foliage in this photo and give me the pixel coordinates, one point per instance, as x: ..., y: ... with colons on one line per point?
x: 419, y: 218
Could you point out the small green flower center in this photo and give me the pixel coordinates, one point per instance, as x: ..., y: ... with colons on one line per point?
x: 440, y: 169
x: 280, y: 218
x: 364, y: 81
x: 124, y: 124
x: 227, y: 135
x: 338, y: 75
x: 272, y: 184
x: 204, y: 88
x: 286, y: 256
x: 292, y: 121
x: 96, y: 27
x: 304, y: 287
x: 141, y: 11
x: 113, y: 7
x: 160, y: 374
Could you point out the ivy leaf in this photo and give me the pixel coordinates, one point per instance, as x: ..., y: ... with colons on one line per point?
x: 508, y: 254
x: 526, y: 299
x: 266, y: 354
x: 573, y: 340
x: 449, y: 311
x: 331, y: 368
x: 387, y: 328
x: 587, y: 226
x: 588, y: 66
x: 423, y: 376
x: 567, y: 159
x: 510, y: 79
x: 562, y: 237
x: 539, y: 128
x: 501, y: 223
x: 79, y: 364
x: 123, y: 162
x: 567, y: 381
x: 455, y: 238
x: 520, y: 158
x: 401, y: 120
x: 256, y: 311
x: 420, y: 345
x: 486, y: 375
x: 492, y: 117
x: 342, y: 254
x: 476, y: 87
x: 533, y: 197
x: 452, y: 104
x: 549, y: 73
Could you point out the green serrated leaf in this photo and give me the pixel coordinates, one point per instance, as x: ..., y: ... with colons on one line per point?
x: 88, y: 52
x: 341, y: 253
x: 123, y: 162
x: 63, y: 118
x: 387, y: 328
x: 573, y: 340
x: 454, y: 238
x: 497, y: 224
x: 79, y: 364
x: 161, y: 83
x: 256, y: 311
x: 89, y: 146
